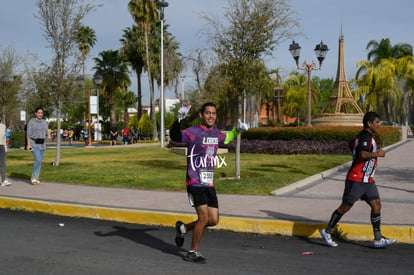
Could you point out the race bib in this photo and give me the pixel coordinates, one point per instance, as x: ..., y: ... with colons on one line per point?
x: 207, y: 177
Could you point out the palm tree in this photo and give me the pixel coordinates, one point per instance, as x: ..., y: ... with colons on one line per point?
x: 379, y: 86
x: 379, y: 80
x: 85, y: 37
x: 405, y: 72
x: 379, y: 50
x: 144, y: 13
x: 114, y: 70
x: 133, y: 49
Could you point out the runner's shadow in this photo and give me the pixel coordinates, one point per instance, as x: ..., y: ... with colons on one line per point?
x: 141, y: 236
x: 305, y: 233
x: 302, y: 226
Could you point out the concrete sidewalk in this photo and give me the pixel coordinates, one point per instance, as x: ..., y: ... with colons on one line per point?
x: 300, y: 209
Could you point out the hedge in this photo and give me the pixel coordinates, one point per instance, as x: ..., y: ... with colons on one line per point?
x: 385, y: 136
x: 17, y: 139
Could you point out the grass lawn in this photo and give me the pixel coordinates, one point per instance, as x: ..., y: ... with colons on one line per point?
x: 155, y: 168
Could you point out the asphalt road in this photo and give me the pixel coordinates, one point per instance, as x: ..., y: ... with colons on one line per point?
x: 32, y: 243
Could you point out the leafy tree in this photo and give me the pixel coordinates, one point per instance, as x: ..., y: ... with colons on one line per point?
x: 325, y: 87
x: 295, y: 97
x: 125, y: 101
x: 60, y: 21
x: 252, y: 31
x: 9, y: 84
x: 145, y: 126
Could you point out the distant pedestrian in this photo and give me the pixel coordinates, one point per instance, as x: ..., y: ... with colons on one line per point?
x: 125, y: 136
x: 202, y: 144
x: 37, y: 130
x: 114, y: 135
x: 135, y: 134
x: 8, y: 135
x: 3, y: 151
x: 85, y: 134
x: 71, y: 133
x: 360, y: 184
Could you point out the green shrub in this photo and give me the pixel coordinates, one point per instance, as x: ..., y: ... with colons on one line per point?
x: 145, y: 126
x: 17, y: 139
x: 384, y: 137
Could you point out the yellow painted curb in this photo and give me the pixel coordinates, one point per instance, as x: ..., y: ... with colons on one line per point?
x: 403, y: 234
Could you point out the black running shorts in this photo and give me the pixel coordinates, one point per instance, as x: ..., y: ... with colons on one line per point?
x: 202, y: 195
x: 355, y: 191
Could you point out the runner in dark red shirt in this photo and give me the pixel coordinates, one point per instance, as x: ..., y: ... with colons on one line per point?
x: 360, y: 184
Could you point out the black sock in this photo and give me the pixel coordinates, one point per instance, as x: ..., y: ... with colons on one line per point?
x: 376, y: 225
x: 336, y: 216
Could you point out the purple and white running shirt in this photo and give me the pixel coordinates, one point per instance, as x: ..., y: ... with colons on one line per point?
x: 202, y: 145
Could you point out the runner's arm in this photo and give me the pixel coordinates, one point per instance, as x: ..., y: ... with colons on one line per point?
x: 175, y: 132
x: 230, y: 136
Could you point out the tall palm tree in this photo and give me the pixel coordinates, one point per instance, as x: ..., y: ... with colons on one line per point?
x: 144, y: 13
x: 114, y: 70
x: 133, y: 49
x: 85, y: 37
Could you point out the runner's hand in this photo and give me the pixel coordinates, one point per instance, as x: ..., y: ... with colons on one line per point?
x: 242, y: 127
x: 182, y: 112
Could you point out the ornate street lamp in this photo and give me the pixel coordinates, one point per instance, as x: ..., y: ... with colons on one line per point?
x: 162, y: 5
x: 320, y: 50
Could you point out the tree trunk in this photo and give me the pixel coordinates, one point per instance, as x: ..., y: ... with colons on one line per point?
x: 139, y: 94
x: 58, y: 135
x: 151, y: 87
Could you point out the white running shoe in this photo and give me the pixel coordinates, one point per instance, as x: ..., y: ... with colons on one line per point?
x: 383, y: 242
x: 328, y: 238
x: 5, y: 183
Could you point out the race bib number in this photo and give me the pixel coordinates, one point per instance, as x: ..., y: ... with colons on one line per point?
x: 207, y: 178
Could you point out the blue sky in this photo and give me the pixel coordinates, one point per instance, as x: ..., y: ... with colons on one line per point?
x: 361, y: 21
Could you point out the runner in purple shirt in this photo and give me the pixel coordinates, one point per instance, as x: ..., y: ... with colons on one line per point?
x: 202, y: 143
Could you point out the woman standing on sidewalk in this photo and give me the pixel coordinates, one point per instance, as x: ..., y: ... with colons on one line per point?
x: 36, y: 135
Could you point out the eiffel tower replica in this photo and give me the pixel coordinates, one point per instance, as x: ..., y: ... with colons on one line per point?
x: 341, y: 109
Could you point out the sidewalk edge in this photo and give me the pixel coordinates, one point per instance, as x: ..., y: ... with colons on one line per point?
x: 358, y: 232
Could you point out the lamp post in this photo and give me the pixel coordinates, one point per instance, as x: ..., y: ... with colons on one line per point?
x: 162, y: 5
x: 97, y: 80
x: 320, y: 50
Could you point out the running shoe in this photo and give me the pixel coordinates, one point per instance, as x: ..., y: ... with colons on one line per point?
x: 34, y: 181
x: 5, y: 183
x: 194, y: 257
x: 328, y: 238
x: 179, y: 237
x: 383, y: 242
